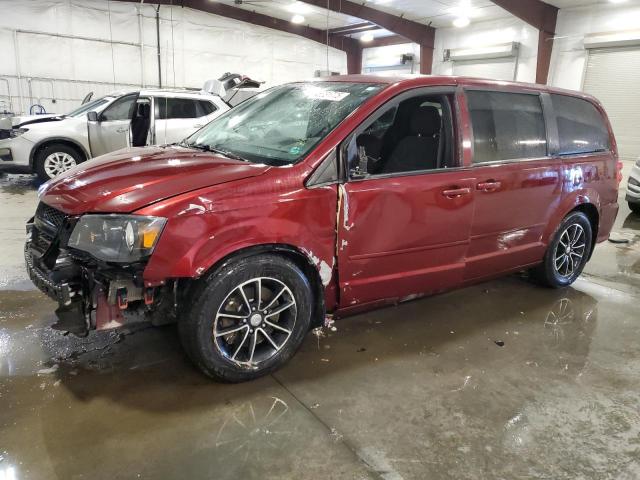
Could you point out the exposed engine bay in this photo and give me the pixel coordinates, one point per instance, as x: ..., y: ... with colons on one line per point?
x: 92, y: 294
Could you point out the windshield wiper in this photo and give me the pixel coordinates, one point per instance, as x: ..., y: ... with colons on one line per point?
x: 208, y: 148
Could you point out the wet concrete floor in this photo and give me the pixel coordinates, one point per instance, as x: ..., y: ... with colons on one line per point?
x: 503, y: 380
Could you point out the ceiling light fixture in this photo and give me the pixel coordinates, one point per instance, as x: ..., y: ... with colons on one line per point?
x: 367, y: 37
x: 461, y: 22
x: 617, y: 1
x: 298, y: 19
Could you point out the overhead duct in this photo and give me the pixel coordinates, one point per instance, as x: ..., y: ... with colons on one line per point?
x: 504, y: 50
x: 625, y: 38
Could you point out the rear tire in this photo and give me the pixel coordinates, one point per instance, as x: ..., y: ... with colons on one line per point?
x: 635, y: 207
x: 567, y: 252
x: 263, y: 302
x: 54, y: 159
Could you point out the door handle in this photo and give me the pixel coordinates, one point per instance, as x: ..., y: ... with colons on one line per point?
x: 198, y: 125
x: 122, y: 130
x: 456, y: 192
x: 489, y: 186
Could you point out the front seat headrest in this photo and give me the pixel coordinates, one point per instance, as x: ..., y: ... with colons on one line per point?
x: 425, y: 121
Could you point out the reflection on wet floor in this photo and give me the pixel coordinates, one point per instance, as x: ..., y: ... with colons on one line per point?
x: 500, y: 380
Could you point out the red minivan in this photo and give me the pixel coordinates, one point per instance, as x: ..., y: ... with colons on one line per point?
x: 335, y: 195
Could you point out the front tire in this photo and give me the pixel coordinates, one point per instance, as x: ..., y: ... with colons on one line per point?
x: 635, y: 207
x: 54, y: 159
x: 248, y: 318
x: 567, y: 252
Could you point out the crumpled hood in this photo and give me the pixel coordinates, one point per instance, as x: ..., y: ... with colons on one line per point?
x: 129, y: 179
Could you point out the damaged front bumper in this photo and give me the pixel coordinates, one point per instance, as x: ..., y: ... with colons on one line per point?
x: 91, y: 295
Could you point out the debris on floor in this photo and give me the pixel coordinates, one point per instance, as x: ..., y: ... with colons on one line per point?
x: 49, y: 371
x: 500, y: 343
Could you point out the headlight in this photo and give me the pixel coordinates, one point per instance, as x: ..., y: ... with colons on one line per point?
x: 117, y: 238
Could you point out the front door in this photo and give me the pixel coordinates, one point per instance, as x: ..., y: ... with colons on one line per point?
x: 517, y: 186
x: 406, y: 210
x: 111, y: 131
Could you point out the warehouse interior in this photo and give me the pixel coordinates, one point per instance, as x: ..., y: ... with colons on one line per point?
x: 500, y: 379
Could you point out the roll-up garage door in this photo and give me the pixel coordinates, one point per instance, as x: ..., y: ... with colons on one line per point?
x: 613, y: 77
x: 496, y: 68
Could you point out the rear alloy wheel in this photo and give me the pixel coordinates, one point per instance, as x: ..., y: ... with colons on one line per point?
x: 567, y: 252
x: 248, y: 318
x: 56, y: 159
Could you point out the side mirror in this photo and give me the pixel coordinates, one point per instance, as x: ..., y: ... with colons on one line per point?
x: 92, y: 117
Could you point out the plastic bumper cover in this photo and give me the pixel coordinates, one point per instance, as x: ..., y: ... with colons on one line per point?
x: 60, y: 292
x: 15, y: 151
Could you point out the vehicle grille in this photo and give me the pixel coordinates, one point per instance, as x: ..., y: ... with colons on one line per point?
x: 46, y: 230
x: 50, y: 215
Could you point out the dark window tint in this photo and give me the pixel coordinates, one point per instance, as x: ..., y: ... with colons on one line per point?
x: 412, y: 136
x: 121, y: 109
x: 581, y: 127
x: 205, y: 108
x: 506, y: 126
x: 167, y: 108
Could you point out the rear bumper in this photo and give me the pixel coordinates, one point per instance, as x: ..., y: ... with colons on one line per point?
x: 607, y: 218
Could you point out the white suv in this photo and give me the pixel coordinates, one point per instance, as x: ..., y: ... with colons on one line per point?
x: 50, y: 145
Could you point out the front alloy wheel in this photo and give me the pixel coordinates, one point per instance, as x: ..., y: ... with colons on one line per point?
x: 255, y: 321
x: 57, y: 163
x: 247, y: 318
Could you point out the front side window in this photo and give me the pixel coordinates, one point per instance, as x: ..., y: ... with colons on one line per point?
x: 121, y: 109
x: 506, y: 126
x: 581, y: 127
x: 412, y: 135
x: 282, y: 125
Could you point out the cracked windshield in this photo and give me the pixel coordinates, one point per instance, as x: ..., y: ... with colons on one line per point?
x: 281, y: 125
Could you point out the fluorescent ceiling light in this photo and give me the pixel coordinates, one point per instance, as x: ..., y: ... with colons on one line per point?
x: 461, y: 22
x: 297, y: 19
x: 617, y: 1
x: 366, y: 37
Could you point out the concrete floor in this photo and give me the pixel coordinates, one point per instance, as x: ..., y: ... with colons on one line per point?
x: 503, y: 380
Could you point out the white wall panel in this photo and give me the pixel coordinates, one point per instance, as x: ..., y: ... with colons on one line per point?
x: 487, y: 33
x: 195, y: 46
x: 569, y: 56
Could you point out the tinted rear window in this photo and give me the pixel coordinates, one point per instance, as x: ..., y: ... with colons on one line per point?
x: 506, y: 126
x: 581, y: 127
x: 167, y: 108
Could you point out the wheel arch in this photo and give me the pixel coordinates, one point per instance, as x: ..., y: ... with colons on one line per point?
x: 300, y: 258
x: 51, y: 140
x: 591, y: 211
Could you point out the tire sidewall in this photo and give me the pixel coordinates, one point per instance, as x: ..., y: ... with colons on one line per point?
x: 198, y: 327
x: 48, y: 150
x: 554, y: 278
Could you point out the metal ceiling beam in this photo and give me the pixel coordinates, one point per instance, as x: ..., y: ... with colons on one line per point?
x: 539, y: 15
x: 386, y: 41
x: 351, y: 29
x: 349, y: 45
x: 419, y: 33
